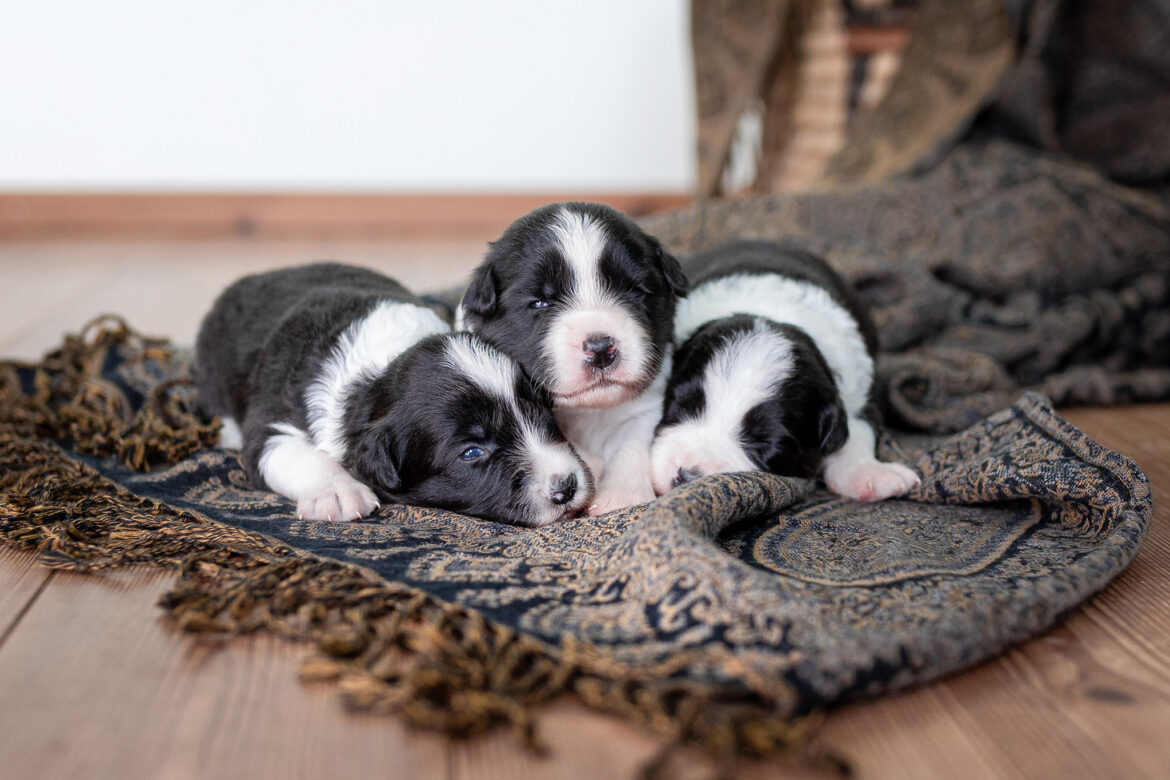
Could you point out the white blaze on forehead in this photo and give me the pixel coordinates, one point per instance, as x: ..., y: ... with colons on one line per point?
x: 743, y: 371
x: 485, y: 367
x: 785, y: 300
x: 546, y: 460
x: 591, y: 310
x: 582, y: 239
x: 364, y: 349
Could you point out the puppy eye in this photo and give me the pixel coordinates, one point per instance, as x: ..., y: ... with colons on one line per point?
x: 538, y: 304
x: 472, y: 453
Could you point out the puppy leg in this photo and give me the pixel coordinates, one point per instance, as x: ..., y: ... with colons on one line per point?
x: 290, y: 465
x: 627, y: 484
x: 625, y: 479
x: 854, y: 472
x: 230, y: 435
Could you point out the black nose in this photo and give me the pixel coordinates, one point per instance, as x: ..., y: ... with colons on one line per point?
x: 563, y: 488
x: 685, y: 475
x: 599, y: 350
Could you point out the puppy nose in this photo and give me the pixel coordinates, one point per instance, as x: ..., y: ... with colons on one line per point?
x: 599, y: 350
x: 685, y: 475
x: 562, y: 488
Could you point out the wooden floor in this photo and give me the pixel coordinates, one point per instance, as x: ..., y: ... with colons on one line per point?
x: 94, y: 683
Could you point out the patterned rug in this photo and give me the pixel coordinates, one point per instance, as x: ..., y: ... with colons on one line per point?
x: 719, y: 614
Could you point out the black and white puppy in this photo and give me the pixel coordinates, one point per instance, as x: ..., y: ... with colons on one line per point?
x: 349, y: 392
x: 773, y: 371
x: 585, y: 301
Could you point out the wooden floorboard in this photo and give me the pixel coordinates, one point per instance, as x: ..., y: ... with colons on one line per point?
x: 21, y: 579
x: 283, y: 215
x: 94, y: 683
x: 165, y: 287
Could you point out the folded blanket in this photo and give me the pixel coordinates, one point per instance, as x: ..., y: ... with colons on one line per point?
x: 999, y: 270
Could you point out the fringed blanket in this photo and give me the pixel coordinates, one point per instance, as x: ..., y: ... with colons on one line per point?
x: 725, y: 611
x: 719, y: 614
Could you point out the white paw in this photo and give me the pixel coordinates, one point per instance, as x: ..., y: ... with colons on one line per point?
x: 609, y: 500
x: 871, y: 481
x: 341, y: 498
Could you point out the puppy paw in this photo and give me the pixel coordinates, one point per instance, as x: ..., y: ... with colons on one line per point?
x: 342, y: 498
x: 872, y: 481
x: 611, y: 500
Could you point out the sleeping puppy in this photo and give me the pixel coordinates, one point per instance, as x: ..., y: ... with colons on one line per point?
x: 350, y: 392
x: 773, y: 372
x: 585, y: 300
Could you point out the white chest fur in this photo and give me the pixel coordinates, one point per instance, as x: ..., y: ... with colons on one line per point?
x: 615, y: 442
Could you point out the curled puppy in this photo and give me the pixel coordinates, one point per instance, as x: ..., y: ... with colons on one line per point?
x: 585, y: 301
x: 349, y: 392
x: 773, y: 372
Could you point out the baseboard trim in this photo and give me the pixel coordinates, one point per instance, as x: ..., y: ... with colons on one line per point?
x: 284, y: 215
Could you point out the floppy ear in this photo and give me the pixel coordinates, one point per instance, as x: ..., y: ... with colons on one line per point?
x: 671, y: 270
x: 479, y: 302
x: 832, y: 428
x: 372, y: 460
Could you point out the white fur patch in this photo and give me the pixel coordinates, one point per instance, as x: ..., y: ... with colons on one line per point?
x: 230, y: 435
x: 615, y: 441
x: 783, y: 300
x: 293, y: 467
x: 742, y: 372
x: 485, y: 367
x: 582, y: 240
x: 364, y: 349
x: 546, y: 461
x: 855, y: 472
x: 591, y: 311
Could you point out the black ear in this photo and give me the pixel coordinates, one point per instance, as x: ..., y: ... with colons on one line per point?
x: 479, y: 302
x: 832, y: 428
x: 671, y: 270
x: 373, y: 461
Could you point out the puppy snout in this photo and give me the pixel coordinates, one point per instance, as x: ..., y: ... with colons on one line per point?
x: 685, y: 475
x: 600, y: 350
x: 562, y: 488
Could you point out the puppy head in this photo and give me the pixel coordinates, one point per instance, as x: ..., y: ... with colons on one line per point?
x: 455, y: 424
x: 582, y: 298
x: 746, y: 394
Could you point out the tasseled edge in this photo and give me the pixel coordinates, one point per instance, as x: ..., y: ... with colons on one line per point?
x: 389, y: 647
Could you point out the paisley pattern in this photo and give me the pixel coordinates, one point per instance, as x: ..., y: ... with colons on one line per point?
x: 751, y: 581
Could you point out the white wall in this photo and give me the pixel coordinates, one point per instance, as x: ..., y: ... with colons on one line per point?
x: 496, y: 95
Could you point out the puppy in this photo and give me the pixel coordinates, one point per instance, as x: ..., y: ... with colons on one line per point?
x: 585, y: 301
x: 350, y: 392
x: 773, y: 372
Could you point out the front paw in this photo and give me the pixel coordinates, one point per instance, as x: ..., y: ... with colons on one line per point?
x: 609, y: 500
x: 341, y: 498
x: 872, y: 481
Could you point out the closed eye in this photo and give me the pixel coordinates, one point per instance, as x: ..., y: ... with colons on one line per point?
x: 472, y: 453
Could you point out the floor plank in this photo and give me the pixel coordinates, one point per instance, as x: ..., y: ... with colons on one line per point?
x: 165, y: 287
x: 97, y: 685
x: 21, y: 579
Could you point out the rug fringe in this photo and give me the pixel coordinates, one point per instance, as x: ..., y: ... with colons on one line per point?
x: 389, y: 647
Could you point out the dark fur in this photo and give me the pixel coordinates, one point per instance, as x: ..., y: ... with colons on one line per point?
x: 791, y: 432
x: 264, y: 342
x: 525, y: 265
x: 805, y: 420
